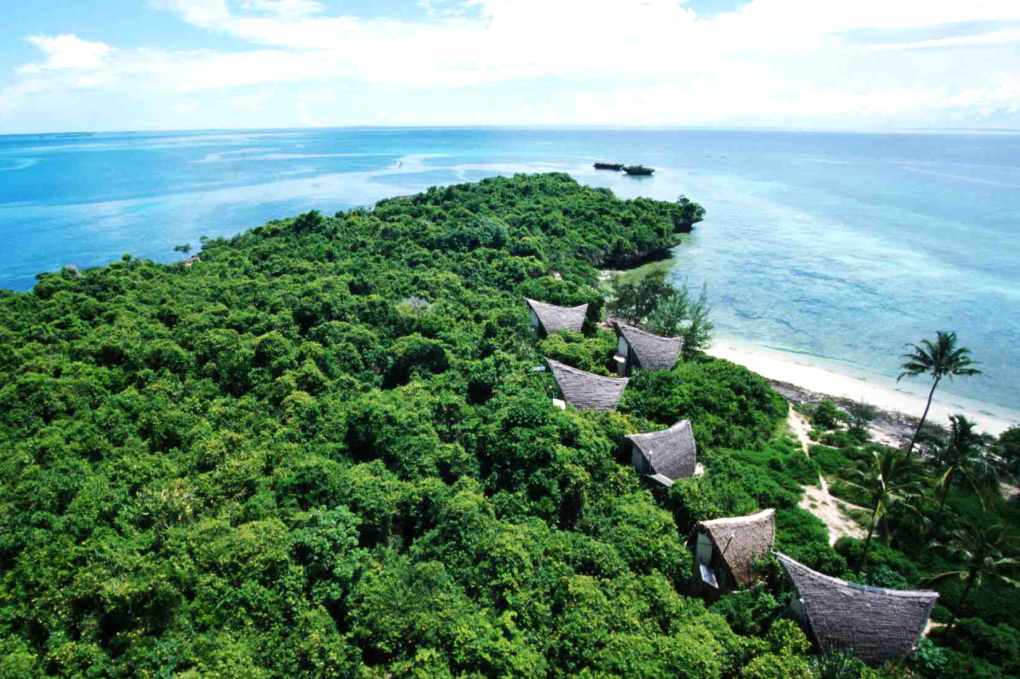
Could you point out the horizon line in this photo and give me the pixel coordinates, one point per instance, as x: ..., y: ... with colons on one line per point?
x: 608, y: 127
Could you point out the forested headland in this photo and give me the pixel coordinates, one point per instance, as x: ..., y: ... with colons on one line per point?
x: 322, y: 448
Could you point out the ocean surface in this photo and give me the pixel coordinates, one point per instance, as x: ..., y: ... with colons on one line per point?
x: 837, y: 248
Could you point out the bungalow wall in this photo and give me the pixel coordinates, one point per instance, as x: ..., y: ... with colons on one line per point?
x: 625, y: 358
x: 639, y: 461
x: 711, y: 578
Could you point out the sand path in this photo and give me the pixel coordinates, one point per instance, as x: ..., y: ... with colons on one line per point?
x: 817, y: 499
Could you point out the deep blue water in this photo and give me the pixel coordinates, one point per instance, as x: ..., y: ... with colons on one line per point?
x: 841, y: 246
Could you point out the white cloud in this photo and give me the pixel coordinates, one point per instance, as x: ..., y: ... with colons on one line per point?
x: 988, y: 38
x: 787, y: 62
x: 284, y: 8
x: 67, y: 52
x: 204, y: 13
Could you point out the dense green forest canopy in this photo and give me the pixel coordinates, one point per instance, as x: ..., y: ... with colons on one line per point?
x: 323, y: 449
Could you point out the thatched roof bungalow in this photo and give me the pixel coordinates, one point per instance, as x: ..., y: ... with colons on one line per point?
x: 585, y: 390
x: 550, y: 318
x: 667, y: 455
x: 639, y: 349
x: 876, y: 624
x: 725, y: 549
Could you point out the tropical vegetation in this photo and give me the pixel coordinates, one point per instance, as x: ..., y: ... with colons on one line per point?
x: 942, y: 359
x: 327, y: 448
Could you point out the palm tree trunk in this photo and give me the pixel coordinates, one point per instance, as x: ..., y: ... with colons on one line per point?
x: 924, y: 416
x: 867, y: 540
x: 937, y: 521
x: 963, y: 599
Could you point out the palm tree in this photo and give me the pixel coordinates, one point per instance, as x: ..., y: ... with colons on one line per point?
x: 961, y: 455
x: 891, y: 481
x: 941, y: 359
x: 984, y: 552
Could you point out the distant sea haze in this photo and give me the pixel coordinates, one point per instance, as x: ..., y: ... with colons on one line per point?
x: 839, y: 248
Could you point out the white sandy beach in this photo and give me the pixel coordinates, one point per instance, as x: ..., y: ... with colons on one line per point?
x: 882, y: 392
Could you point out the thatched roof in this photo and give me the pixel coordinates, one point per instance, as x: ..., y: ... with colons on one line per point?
x: 556, y: 318
x: 670, y: 453
x: 587, y: 391
x: 876, y: 624
x: 652, y: 352
x: 740, y: 540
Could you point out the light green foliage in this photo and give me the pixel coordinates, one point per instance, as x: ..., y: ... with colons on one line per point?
x: 594, y: 354
x: 785, y: 658
x: 664, y: 308
x: 701, y: 391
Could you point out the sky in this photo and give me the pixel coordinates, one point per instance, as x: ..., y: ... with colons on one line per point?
x: 805, y: 64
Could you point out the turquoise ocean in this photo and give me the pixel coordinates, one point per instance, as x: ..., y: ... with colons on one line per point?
x: 837, y: 247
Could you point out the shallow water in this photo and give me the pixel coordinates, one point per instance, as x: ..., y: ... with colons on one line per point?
x: 837, y: 246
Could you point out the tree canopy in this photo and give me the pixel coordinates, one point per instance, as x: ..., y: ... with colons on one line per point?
x: 323, y: 449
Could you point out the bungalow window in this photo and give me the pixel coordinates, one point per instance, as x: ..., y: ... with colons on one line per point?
x: 708, y: 576
x: 703, y: 554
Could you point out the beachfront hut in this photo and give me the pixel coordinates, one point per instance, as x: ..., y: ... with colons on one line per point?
x: 726, y: 549
x: 876, y: 624
x: 549, y: 318
x: 585, y: 390
x: 667, y: 455
x: 639, y: 349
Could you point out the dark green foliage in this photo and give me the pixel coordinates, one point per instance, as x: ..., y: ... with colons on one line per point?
x: 322, y: 451
x: 593, y: 354
x: 859, y: 416
x: 998, y: 644
x: 839, y: 665
x: 880, y: 557
x: 826, y: 415
x: 748, y: 612
x: 730, y: 406
x: 1009, y: 448
x: 830, y: 460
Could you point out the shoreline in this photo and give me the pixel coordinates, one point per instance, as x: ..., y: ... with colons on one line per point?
x: 801, y: 379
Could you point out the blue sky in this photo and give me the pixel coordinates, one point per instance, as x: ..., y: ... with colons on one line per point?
x: 173, y: 64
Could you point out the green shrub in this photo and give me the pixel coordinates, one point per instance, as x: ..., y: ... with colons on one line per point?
x: 849, y: 492
x: 932, y: 660
x: 826, y: 415
x: 593, y: 354
x: 880, y: 556
x: 830, y: 460
x: 778, y: 666
x: 798, y: 529
x: 697, y: 390
x: 996, y: 644
x: 951, y: 664
x: 747, y: 611
x: 839, y: 665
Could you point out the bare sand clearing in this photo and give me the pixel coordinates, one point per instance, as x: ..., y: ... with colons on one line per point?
x: 884, y: 394
x: 817, y: 499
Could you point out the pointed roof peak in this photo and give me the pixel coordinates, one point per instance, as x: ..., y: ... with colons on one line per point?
x: 653, y: 352
x: 877, y: 624
x: 585, y: 390
x: 741, y: 539
x: 670, y: 452
x: 558, y: 318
